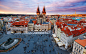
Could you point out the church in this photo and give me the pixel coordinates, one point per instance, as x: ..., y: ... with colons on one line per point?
x: 41, y: 16
x: 42, y: 24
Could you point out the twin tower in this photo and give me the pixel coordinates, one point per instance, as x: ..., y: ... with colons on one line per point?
x: 43, y: 11
x: 41, y: 18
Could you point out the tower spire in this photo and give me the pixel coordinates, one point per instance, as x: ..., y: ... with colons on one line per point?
x: 75, y: 12
x: 44, y: 11
x: 38, y: 11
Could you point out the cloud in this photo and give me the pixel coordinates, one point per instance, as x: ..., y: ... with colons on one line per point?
x: 51, y: 5
x: 3, y: 6
x: 73, y: 9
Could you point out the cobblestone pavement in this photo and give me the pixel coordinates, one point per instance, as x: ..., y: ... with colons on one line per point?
x: 33, y: 44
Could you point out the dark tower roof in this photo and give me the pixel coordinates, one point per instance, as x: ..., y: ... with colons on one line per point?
x: 38, y: 11
x: 44, y: 11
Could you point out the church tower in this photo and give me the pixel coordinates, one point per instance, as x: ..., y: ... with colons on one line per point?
x: 38, y: 11
x: 38, y: 14
x: 44, y: 13
x: 41, y: 17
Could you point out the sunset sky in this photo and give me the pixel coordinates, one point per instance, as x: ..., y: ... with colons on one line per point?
x: 52, y: 6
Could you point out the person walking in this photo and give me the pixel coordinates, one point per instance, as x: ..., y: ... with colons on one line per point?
x: 50, y: 51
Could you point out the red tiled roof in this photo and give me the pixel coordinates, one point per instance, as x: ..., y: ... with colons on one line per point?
x: 20, y: 23
x: 78, y: 25
x: 66, y: 31
x: 67, y: 19
x: 75, y: 33
x: 81, y: 42
x: 82, y: 30
x: 82, y: 21
x: 58, y: 24
x: 34, y: 21
x: 14, y: 17
x: 51, y: 23
x: 1, y: 19
x: 72, y: 22
x: 64, y: 24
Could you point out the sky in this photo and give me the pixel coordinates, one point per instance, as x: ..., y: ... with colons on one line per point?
x: 52, y: 6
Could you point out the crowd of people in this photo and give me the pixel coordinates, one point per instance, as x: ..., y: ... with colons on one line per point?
x: 42, y: 44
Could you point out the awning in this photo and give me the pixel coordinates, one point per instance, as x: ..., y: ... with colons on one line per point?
x: 39, y: 30
x: 56, y: 39
x: 11, y: 32
x: 35, y: 30
x: 42, y: 30
x: 54, y: 35
x: 31, y: 30
x: 60, y: 43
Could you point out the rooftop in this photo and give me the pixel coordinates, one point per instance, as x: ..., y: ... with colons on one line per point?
x: 31, y: 21
x: 20, y: 23
x: 81, y: 42
x: 45, y: 22
x: 67, y: 31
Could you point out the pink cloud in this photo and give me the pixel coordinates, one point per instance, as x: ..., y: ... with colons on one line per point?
x: 63, y: 3
x: 79, y: 9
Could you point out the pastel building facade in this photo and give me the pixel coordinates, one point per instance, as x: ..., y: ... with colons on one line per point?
x: 79, y: 46
x: 1, y: 25
x: 68, y: 36
x: 43, y: 27
x: 19, y: 27
x: 30, y: 26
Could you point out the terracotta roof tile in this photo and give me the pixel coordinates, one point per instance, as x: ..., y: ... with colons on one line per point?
x: 82, y: 30
x: 75, y: 33
x: 34, y: 21
x: 66, y: 31
x: 81, y: 42
x: 20, y: 23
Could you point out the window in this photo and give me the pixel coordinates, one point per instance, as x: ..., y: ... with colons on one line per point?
x: 76, y: 52
x: 79, y: 51
x: 75, y: 47
x: 75, y: 43
x: 81, y: 48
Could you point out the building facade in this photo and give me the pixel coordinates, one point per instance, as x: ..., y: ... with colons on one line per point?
x: 41, y: 17
x: 1, y: 25
x: 19, y: 27
x: 68, y: 36
x: 79, y: 46
x: 42, y: 25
